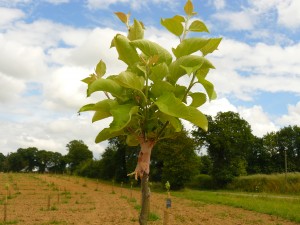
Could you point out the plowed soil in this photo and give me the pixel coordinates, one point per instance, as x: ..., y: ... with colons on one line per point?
x: 45, y: 199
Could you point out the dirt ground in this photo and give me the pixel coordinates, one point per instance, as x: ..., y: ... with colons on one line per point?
x: 45, y: 199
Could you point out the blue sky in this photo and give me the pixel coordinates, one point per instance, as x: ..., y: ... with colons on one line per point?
x: 48, y: 46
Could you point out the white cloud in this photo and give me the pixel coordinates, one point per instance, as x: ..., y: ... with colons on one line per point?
x: 21, y: 61
x: 288, y: 13
x: 134, y: 4
x: 242, y: 20
x: 293, y: 116
x: 260, y: 122
x: 243, y: 70
x: 10, y: 89
x: 11, y: 3
x: 8, y: 15
x: 219, y: 4
x: 57, y: 2
x: 50, y: 135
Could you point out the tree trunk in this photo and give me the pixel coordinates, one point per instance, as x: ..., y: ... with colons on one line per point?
x: 142, y: 170
x: 144, y: 214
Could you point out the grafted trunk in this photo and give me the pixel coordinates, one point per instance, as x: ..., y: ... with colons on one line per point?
x: 142, y: 170
x: 145, y: 210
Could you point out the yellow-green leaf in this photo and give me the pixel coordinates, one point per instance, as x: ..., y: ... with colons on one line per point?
x: 198, y: 26
x: 107, y: 133
x: 100, y: 69
x: 103, y: 108
x: 150, y: 48
x: 122, y: 115
x: 176, y: 70
x: 198, y: 99
x: 208, y: 86
x: 136, y: 31
x: 189, y: 8
x: 107, y: 85
x: 122, y: 16
x: 88, y: 107
x: 159, y: 72
x: 189, y: 46
x: 127, y: 53
x: 211, y: 46
x: 173, y: 25
x: 173, y: 106
x: 130, y: 80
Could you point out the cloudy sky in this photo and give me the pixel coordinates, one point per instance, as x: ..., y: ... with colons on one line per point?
x: 48, y: 46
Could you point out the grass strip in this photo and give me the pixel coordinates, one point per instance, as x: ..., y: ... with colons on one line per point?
x: 287, y: 208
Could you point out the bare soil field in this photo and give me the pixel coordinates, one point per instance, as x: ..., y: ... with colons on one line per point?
x: 35, y: 199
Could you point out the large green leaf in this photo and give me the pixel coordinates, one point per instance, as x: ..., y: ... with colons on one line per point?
x: 174, y: 25
x: 189, y: 46
x: 152, y: 49
x: 176, y: 70
x: 160, y: 87
x: 180, y: 91
x: 88, y: 107
x: 198, y: 26
x: 159, y: 72
x: 198, y: 99
x: 130, y: 80
x: 208, y: 86
x: 173, y: 106
x: 211, y: 46
x: 127, y: 53
x: 122, y: 115
x: 136, y: 31
x: 107, y: 85
x: 107, y: 133
x: 103, y: 108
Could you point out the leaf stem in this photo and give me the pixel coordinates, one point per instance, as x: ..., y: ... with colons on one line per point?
x: 192, y: 83
x: 185, y: 32
x: 162, y: 129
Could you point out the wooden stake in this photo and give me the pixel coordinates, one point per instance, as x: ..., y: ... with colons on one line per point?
x: 48, y: 204
x: 5, y: 212
x: 121, y: 188
x: 166, y: 217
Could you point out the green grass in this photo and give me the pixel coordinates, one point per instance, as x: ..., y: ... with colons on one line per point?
x: 153, y: 217
x: 272, y: 183
x: 282, y: 206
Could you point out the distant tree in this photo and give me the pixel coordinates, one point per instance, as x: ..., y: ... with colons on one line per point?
x: 270, y: 146
x: 228, y: 143
x: 15, y: 162
x: 43, y: 158
x: 108, y: 167
x: 29, y: 156
x: 181, y: 167
x: 259, y: 159
x: 57, y: 163
x: 2, y: 161
x: 288, y: 140
x: 205, y: 164
x: 90, y: 168
x: 78, y: 152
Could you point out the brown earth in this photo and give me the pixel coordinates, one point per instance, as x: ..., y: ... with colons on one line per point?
x: 80, y: 201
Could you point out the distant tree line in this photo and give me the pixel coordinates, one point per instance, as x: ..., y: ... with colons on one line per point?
x: 227, y: 150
